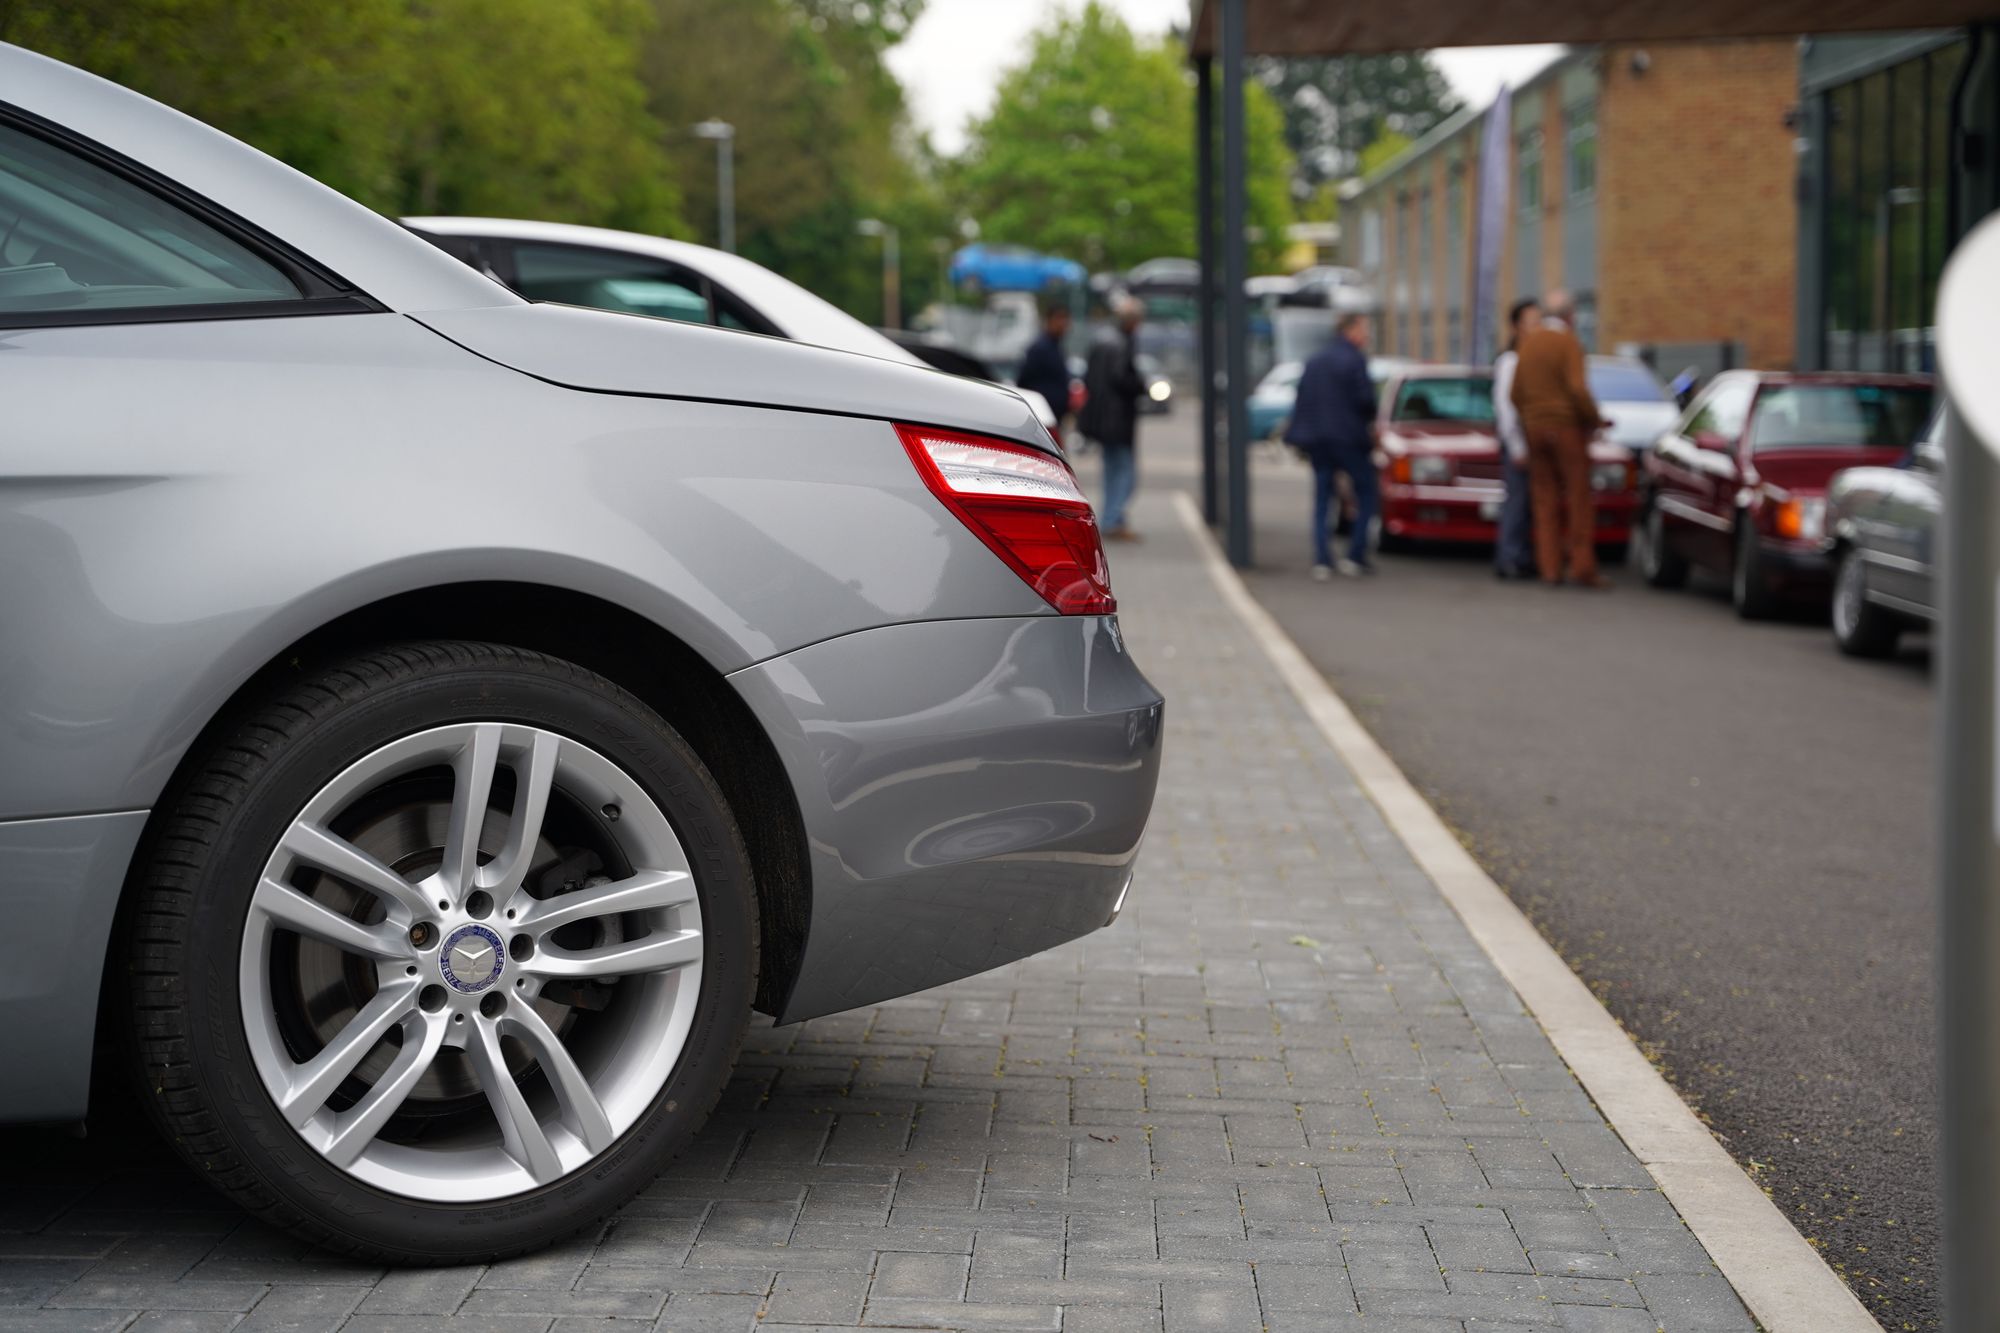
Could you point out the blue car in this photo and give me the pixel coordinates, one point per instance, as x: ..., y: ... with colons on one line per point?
x: 1271, y: 401
x: 1012, y: 268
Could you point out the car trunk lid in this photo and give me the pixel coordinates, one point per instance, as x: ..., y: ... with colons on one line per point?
x: 607, y: 352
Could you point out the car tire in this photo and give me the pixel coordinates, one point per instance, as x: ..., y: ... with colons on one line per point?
x: 1860, y: 627
x: 1750, y: 590
x: 1656, y: 561
x: 508, y: 1116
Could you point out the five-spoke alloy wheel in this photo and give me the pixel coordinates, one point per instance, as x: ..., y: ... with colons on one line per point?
x: 489, y: 935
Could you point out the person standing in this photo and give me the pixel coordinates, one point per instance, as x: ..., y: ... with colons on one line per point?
x: 1559, y: 416
x: 1333, y: 424
x: 1044, y: 368
x: 1513, y: 556
x: 1110, y: 416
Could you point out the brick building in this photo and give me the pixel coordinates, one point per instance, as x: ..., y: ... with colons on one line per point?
x: 1655, y: 181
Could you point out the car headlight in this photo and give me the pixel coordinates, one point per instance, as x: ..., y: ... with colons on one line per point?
x: 1801, y: 518
x: 1430, y: 470
x: 1158, y: 393
x: 1610, y: 477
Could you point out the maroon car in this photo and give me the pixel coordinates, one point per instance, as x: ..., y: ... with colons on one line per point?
x: 1440, y: 461
x: 1739, y: 485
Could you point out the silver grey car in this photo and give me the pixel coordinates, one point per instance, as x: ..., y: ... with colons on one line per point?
x: 430, y: 721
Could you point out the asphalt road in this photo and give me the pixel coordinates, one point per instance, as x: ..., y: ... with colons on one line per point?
x: 1726, y: 828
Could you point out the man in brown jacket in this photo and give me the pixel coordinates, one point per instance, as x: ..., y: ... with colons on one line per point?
x: 1559, y: 416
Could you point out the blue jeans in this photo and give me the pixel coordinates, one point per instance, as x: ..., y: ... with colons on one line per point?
x: 1514, y: 551
x: 1121, y: 478
x: 1359, y: 465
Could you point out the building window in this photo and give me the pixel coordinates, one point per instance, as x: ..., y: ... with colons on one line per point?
x: 1371, y: 240
x: 1406, y: 311
x: 1580, y: 148
x: 1426, y: 277
x: 1455, y: 257
x: 1883, y: 225
x: 1528, y: 171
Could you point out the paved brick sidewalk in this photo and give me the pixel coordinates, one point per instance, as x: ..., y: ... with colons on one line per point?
x: 1285, y: 1091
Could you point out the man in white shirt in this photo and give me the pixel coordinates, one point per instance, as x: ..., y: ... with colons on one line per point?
x: 1513, y: 551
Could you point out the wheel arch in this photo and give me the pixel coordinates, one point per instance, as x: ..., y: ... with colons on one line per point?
x: 621, y: 645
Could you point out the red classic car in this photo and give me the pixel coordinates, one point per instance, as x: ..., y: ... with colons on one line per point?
x: 1738, y: 486
x: 1440, y: 461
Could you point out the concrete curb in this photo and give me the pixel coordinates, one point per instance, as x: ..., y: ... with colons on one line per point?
x: 1781, y: 1278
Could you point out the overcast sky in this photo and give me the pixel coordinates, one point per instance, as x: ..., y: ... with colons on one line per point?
x: 955, y: 54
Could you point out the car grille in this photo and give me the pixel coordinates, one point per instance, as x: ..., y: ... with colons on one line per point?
x: 1481, y: 469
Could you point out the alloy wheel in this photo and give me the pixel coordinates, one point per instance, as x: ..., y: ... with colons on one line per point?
x: 471, y: 962
x: 1651, y: 542
x: 1847, y: 599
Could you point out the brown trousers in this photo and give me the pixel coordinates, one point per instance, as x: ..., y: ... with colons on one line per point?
x: 1565, y: 509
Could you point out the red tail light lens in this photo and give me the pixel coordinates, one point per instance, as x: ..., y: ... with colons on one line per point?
x: 1023, y: 504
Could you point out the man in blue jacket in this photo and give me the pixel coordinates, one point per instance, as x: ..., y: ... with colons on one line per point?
x: 1045, y: 369
x: 1333, y: 423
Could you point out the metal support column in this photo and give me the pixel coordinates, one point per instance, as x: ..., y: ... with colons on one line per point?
x: 1235, y: 272
x: 1204, y: 214
x: 1968, y: 744
x: 1969, y: 884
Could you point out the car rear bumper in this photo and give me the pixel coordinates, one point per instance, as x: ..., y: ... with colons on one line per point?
x: 59, y: 886
x: 1472, y: 513
x: 973, y: 791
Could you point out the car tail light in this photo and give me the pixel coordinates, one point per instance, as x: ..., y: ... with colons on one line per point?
x: 1023, y: 504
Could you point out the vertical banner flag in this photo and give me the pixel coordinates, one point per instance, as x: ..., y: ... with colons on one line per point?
x: 1491, y: 224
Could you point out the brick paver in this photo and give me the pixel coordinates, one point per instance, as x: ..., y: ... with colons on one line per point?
x: 1286, y: 1091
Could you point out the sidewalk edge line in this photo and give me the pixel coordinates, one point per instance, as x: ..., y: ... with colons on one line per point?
x: 1783, y: 1280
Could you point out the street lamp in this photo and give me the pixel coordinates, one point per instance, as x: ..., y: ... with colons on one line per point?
x: 892, y: 305
x: 724, y: 135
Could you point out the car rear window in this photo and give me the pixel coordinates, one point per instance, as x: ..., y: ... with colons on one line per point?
x: 75, y: 239
x: 1624, y: 384
x: 1859, y: 416
x: 1446, y: 398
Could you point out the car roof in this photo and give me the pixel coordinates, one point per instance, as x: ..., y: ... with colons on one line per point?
x: 1426, y: 370
x: 1885, y: 379
x: 357, y: 244
x: 799, y: 314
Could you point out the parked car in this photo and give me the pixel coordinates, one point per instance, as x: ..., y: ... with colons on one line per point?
x: 1738, y: 486
x: 430, y: 721
x: 651, y: 275
x: 1441, y: 468
x: 940, y: 351
x: 1881, y: 532
x: 1632, y: 399
x: 1159, y: 395
x: 983, y: 267
x: 1271, y: 401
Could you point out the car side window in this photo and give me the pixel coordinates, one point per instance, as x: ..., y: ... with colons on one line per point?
x: 1722, y: 411
x: 609, y: 280
x: 79, y: 242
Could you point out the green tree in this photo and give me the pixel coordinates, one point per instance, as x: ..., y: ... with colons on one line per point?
x: 493, y: 106
x: 1336, y: 106
x: 822, y: 136
x: 1383, y: 151
x: 1088, y: 151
